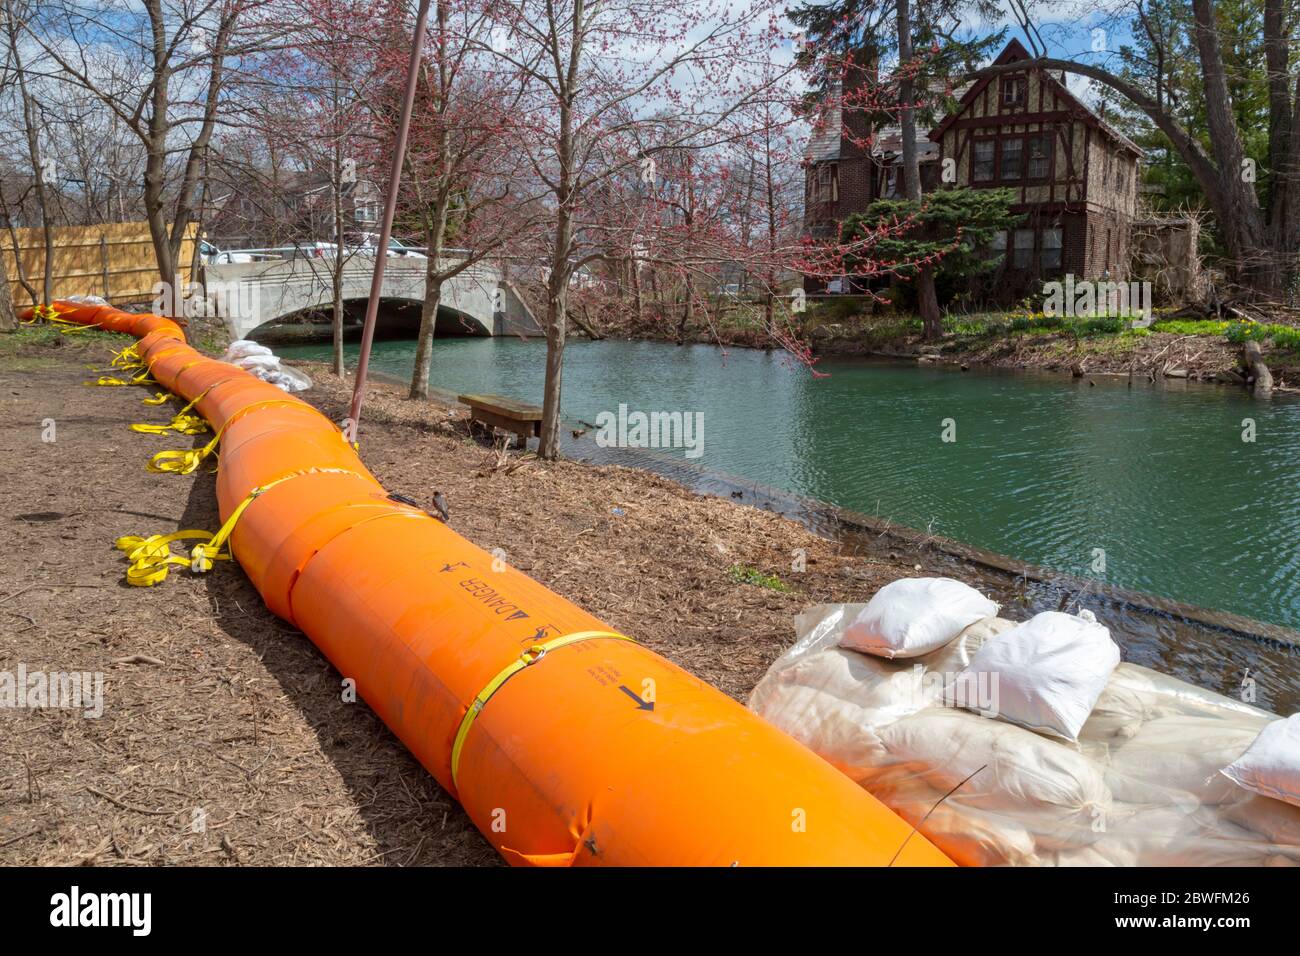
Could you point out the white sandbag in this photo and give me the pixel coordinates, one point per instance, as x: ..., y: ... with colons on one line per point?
x: 840, y: 697
x: 1038, y: 801
x: 1271, y: 765
x: 241, y: 348
x: 261, y: 361
x: 1167, y: 836
x: 1178, y: 753
x: 1045, y: 674
x: 971, y: 836
x: 1270, y: 820
x: 914, y: 616
x: 250, y: 362
x: 997, y: 765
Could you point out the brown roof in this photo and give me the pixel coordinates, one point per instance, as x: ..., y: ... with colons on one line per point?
x: 1013, y: 52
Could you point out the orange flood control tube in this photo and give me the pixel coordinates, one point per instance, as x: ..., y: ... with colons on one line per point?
x: 566, y: 742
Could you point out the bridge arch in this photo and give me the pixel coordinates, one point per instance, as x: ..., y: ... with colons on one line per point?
x: 477, y: 301
x: 397, y: 316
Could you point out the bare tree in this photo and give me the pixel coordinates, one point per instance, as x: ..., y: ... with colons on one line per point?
x: 34, y: 130
x: 603, y: 76
x: 161, y: 70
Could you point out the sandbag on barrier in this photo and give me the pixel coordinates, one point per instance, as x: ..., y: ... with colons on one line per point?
x: 1140, y: 787
x: 566, y: 742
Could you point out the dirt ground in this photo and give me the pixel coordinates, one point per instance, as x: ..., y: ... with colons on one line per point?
x: 223, y: 738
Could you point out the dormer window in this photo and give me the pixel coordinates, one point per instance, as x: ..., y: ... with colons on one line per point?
x: 1015, y: 90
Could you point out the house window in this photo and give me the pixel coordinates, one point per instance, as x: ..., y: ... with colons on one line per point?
x: 1049, y: 257
x: 891, y: 182
x: 1023, y: 252
x: 982, y: 161
x: 1014, y: 90
x: 1040, y: 157
x: 367, y: 212
x: 1012, y: 166
x: 998, y: 245
x: 824, y: 183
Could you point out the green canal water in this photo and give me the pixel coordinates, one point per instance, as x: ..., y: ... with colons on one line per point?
x: 1154, y: 481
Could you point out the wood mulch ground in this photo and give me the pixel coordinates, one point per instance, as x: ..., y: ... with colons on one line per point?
x: 223, y: 738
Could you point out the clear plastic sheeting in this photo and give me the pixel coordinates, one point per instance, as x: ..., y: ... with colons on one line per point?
x: 260, y: 361
x: 1141, y: 787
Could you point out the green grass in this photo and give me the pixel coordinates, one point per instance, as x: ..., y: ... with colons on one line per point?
x: 744, y: 574
x: 1037, y: 323
x: 1190, y: 326
x: 1284, y: 336
x: 31, y: 337
x: 884, y: 328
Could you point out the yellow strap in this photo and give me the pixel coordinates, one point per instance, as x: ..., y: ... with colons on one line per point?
x: 184, y: 460
x: 67, y: 327
x: 168, y: 396
x: 141, y: 379
x: 151, y: 558
x: 127, y: 359
x: 527, y: 659
x: 181, y: 422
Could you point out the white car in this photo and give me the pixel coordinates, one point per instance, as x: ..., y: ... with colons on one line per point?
x: 214, y: 256
x: 368, y: 241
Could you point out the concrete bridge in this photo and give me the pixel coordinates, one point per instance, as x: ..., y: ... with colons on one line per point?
x: 478, y: 301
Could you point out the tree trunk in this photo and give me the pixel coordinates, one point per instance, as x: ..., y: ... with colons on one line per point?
x: 688, y: 311
x: 340, y: 262
x: 8, y: 320
x: 926, y: 296
x: 436, y: 229
x: 556, y: 327
x: 638, y: 301
x: 557, y: 320
x: 34, y: 155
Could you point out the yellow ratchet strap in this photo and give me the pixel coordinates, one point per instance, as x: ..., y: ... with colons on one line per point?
x: 528, y: 658
x: 181, y: 422
x: 151, y: 558
x: 183, y: 461
x: 128, y: 359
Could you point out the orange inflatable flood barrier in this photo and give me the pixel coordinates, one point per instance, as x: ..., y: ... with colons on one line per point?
x: 566, y: 742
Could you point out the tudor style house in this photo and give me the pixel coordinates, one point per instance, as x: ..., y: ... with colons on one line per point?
x: 1074, y: 176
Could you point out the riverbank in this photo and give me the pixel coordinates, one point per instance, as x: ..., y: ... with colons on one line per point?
x: 1188, y: 349
x: 223, y: 738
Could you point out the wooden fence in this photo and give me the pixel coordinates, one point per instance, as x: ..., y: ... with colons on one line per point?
x: 115, y: 261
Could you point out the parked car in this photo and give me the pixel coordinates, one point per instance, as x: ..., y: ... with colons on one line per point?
x: 214, y: 256
x: 368, y: 241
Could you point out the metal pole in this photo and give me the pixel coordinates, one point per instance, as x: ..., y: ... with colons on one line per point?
x: 386, y: 224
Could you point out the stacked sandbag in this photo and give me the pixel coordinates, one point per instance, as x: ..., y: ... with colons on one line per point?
x: 261, y: 361
x: 1140, y: 786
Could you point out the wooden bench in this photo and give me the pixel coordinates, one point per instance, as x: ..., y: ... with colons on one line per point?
x: 497, y: 411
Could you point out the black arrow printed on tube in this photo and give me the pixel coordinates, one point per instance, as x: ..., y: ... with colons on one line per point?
x: 643, y: 704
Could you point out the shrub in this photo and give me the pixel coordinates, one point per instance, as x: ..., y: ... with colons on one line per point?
x: 1285, y: 337
x: 1245, y: 331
